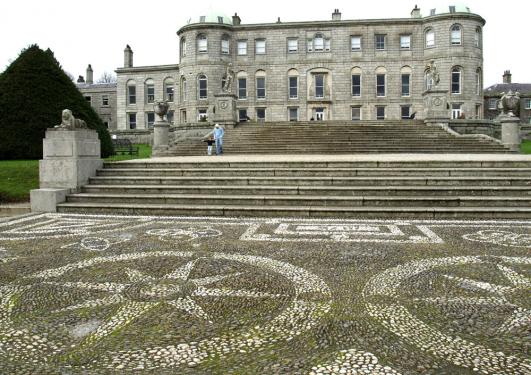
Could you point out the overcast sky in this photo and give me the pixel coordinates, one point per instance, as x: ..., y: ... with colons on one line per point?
x: 96, y: 31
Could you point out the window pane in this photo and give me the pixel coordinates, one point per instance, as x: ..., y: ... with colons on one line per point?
x: 430, y: 38
x: 293, y: 87
x: 292, y: 45
x: 260, y: 47
x: 380, y: 113
x: 380, y: 85
x: 242, y: 115
x: 260, y: 114
x: 405, y: 84
x: 327, y: 44
x: 356, y: 85
x: 225, y: 46
x: 169, y: 93
x: 355, y: 43
x: 356, y: 113
x: 318, y: 43
x: 456, y: 82
x: 132, y: 94
x: 202, y: 44
x: 203, y: 93
x: 405, y: 112
x: 242, y: 47
x: 242, y: 88
x: 150, y: 119
x: 319, y: 85
x: 293, y: 114
x: 260, y: 88
x: 456, y: 35
x: 405, y: 41
x: 380, y: 42
x: 132, y: 121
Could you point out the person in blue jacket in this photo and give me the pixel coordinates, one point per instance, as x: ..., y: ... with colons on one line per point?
x: 218, y: 137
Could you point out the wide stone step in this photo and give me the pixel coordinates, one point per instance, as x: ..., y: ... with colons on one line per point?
x: 451, y: 191
x: 298, y: 211
x: 327, y: 172
x: 314, y: 181
x: 310, y: 201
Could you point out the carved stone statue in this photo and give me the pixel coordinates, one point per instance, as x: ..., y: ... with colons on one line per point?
x: 432, y: 75
x: 161, y: 108
x: 69, y: 122
x: 510, y: 103
x: 229, y: 77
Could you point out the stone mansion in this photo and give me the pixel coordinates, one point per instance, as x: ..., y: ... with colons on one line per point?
x: 347, y: 70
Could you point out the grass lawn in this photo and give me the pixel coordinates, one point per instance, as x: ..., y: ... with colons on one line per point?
x: 525, y: 147
x: 18, y: 177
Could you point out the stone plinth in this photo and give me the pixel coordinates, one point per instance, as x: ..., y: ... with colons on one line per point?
x: 161, y: 139
x: 510, y: 133
x: 226, y: 113
x: 436, y: 105
x: 70, y: 157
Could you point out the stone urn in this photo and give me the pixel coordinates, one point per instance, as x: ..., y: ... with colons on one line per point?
x: 510, y: 103
x: 161, y: 108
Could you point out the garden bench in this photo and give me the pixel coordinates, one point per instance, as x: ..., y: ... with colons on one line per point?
x: 124, y: 146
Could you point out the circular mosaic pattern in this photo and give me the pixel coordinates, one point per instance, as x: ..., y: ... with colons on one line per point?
x: 182, y: 289
x: 386, y: 292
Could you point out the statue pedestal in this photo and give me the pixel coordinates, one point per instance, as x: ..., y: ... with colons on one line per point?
x: 436, y: 107
x: 161, y: 139
x: 510, y: 134
x: 70, y: 157
x: 226, y: 113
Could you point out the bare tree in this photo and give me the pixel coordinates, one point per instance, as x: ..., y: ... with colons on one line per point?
x: 107, y: 77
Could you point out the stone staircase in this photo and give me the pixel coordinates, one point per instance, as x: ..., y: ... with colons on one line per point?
x: 338, y: 137
x: 295, y: 186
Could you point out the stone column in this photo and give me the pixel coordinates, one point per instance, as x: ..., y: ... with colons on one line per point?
x: 436, y: 107
x: 510, y: 134
x: 161, y: 131
x: 70, y: 157
x: 225, y: 110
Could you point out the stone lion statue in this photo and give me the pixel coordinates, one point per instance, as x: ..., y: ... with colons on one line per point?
x: 70, y: 122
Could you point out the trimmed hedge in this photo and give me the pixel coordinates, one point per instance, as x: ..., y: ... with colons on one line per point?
x: 34, y: 90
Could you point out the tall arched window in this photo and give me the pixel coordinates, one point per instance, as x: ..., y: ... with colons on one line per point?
x: 319, y: 43
x: 455, y: 35
x: 260, y: 84
x: 456, y: 80
x: 149, y: 89
x: 355, y: 78
x: 242, y: 85
x: 430, y: 38
x: 202, y: 43
x: 183, y: 89
x: 405, y: 80
x: 477, y: 37
x: 293, y: 84
x: 479, y: 81
x: 182, y: 47
x: 225, y: 44
x: 131, y: 92
x: 381, y: 73
x: 169, y: 89
x: 202, y: 84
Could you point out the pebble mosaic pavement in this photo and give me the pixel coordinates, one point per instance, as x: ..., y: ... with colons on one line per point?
x: 90, y: 294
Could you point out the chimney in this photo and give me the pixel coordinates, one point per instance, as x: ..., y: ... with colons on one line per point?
x: 90, y: 75
x: 415, y: 13
x: 236, y: 20
x: 80, y: 79
x: 336, y: 16
x: 507, y: 76
x: 128, y: 57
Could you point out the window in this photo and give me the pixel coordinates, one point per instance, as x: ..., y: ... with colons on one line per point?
x: 150, y: 119
x: 183, y: 89
x: 202, y: 18
x: 220, y: 19
x: 456, y: 81
x: 406, y: 77
x: 242, y: 47
x: 150, y: 91
x: 405, y: 41
x: 356, y: 113
x: 432, y: 12
x: 242, y: 88
x: 88, y: 99
x: 202, y: 43
x: 106, y: 123
x: 493, y: 103
x: 405, y: 112
x: 380, y: 112
x: 455, y: 35
x: 131, y: 119
x: 527, y: 103
x: 260, y: 46
x: 456, y: 111
x: 203, y: 85
x: 293, y: 45
x: 242, y: 115
x: 430, y: 38
x: 202, y: 114
x: 105, y: 100
x: 356, y: 84
x: 479, y: 80
x: 183, y: 116
x: 379, y: 40
x: 170, y: 116
x: 477, y: 37
x: 182, y: 49
x: 260, y: 88
x: 168, y: 90
x: 260, y: 114
x: 293, y: 87
x: 355, y: 43
x: 319, y: 85
x: 225, y: 45
x: 293, y: 114
x: 380, y: 85
x: 319, y: 43
x: 452, y: 8
x: 478, y: 111
x: 131, y: 93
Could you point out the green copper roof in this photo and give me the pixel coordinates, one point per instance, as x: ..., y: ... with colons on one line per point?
x: 452, y: 8
x: 211, y: 16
